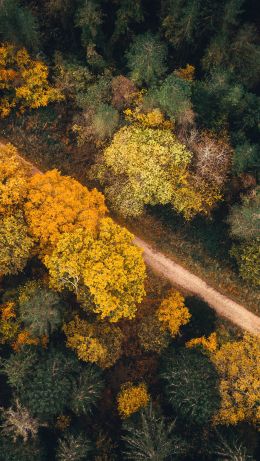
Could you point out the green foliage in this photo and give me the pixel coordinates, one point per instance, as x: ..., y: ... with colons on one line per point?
x: 89, y: 19
x: 128, y: 13
x: 18, y: 366
x: 46, y: 389
x: 191, y: 385
x: 105, y: 121
x: 151, y: 437
x: 15, y: 244
x: 18, y: 25
x: 146, y: 59
x: 173, y: 96
x: 73, y: 448
x: 20, y: 451
x: 247, y: 256
x: 246, y: 156
x: 244, y: 219
x: 86, y: 391
x: 40, y: 309
x: 227, y: 444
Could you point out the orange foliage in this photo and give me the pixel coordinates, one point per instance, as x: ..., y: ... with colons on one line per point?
x: 24, y: 338
x: 209, y: 344
x: 187, y: 72
x: 57, y: 204
x: 9, y: 325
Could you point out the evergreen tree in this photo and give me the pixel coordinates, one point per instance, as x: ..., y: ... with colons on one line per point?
x: 86, y: 391
x: 73, y: 448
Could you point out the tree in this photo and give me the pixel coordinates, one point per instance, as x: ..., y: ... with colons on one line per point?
x: 13, y: 179
x: 238, y: 364
x: 20, y: 451
x: 226, y: 444
x: 86, y: 391
x: 247, y: 256
x: 191, y: 385
x: 105, y: 121
x: 23, y: 81
x: 151, y: 335
x: 15, y: 244
x: 18, y: 423
x: 18, y: 25
x: 131, y: 398
x: 9, y: 324
x: 57, y: 204
x: 172, y: 312
x: 73, y: 447
x: 124, y: 91
x: 46, y: 388
x: 89, y: 18
x: 18, y: 367
x: 146, y: 59
x: 173, y: 96
x: 151, y: 437
x: 109, y: 266
x: 94, y: 342
x: 144, y: 166
x: 40, y: 309
x: 244, y: 219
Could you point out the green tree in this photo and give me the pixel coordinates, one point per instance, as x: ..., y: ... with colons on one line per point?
x: 73, y: 448
x: 244, y: 219
x: 86, y: 391
x: 15, y: 244
x: 40, y: 309
x: 89, y: 18
x: 146, y: 59
x: 247, y: 256
x: 20, y: 451
x: 191, y: 385
x: 105, y: 121
x: 18, y: 24
x: 18, y: 366
x: 151, y: 437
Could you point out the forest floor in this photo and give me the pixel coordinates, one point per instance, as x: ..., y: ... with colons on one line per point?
x: 186, y: 280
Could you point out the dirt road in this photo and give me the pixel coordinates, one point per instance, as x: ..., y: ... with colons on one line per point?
x: 186, y: 280
x: 181, y: 277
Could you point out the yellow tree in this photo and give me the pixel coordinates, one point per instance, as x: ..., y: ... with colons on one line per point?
x: 173, y: 313
x: 238, y: 365
x: 15, y: 244
x: 13, y: 179
x: 57, y: 204
x: 132, y: 398
x: 23, y: 81
x: 109, y: 266
x: 94, y: 342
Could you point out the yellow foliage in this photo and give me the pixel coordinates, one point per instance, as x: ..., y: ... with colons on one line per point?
x: 152, y: 119
x: 131, y: 399
x: 209, y: 344
x: 57, y: 204
x: 9, y: 325
x: 13, y: 178
x: 187, y: 72
x: 94, y: 342
x: 238, y: 364
x: 173, y: 313
x: 109, y: 265
x: 23, y: 81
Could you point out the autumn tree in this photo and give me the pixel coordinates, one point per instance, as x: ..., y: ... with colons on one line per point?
x: 15, y: 244
x: 109, y: 267
x: 191, y: 385
x: 151, y: 335
x: 57, y: 204
x: 247, y: 256
x: 146, y: 59
x: 151, y: 437
x: 23, y: 82
x: 132, y: 398
x: 94, y: 342
x: 40, y: 309
x: 144, y: 166
x: 238, y: 366
x: 124, y: 91
x: 172, y: 312
x: 13, y: 179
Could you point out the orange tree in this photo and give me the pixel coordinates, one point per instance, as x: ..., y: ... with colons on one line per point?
x: 57, y: 204
x: 108, y: 266
x: 23, y: 81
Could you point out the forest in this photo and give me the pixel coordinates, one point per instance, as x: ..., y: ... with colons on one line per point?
x: 122, y: 119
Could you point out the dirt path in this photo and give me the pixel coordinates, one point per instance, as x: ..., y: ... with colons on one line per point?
x: 186, y: 280
x: 181, y: 277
